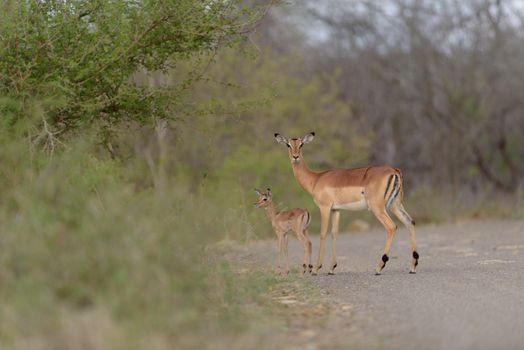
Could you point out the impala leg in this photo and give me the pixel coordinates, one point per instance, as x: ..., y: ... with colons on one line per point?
x: 286, y: 253
x: 304, y: 239
x: 324, y: 223
x: 334, y: 232
x: 279, y: 261
x: 309, y: 249
x: 304, y: 263
x: 390, y: 227
x: 398, y: 209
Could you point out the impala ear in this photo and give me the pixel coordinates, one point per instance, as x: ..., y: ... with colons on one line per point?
x: 268, y: 193
x: 308, y: 137
x: 281, y: 139
x: 258, y: 192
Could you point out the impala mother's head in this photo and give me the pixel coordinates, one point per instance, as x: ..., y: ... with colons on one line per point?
x: 295, y: 145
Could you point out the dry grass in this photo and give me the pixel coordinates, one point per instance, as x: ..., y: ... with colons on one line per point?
x: 92, y: 261
x: 94, y: 257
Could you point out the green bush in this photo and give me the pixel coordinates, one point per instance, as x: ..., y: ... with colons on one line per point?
x: 81, y: 243
x: 75, y: 60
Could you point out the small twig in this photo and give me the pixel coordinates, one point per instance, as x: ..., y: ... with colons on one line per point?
x: 51, y: 139
x: 252, y: 25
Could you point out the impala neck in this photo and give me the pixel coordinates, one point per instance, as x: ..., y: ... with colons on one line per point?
x: 271, y: 212
x: 305, y: 176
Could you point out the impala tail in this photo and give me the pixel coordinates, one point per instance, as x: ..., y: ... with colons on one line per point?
x: 306, y: 219
x: 394, y: 188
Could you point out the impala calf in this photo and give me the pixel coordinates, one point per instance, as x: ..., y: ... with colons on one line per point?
x: 296, y: 220
x: 377, y: 188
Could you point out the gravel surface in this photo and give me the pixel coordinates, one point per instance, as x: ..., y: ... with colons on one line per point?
x: 468, y: 292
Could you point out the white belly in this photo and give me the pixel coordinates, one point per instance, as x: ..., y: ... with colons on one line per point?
x: 359, y: 205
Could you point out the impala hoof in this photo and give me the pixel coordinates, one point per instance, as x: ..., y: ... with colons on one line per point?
x: 331, y: 273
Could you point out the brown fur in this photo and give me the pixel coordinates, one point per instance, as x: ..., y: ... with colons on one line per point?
x: 296, y: 220
x: 352, y: 189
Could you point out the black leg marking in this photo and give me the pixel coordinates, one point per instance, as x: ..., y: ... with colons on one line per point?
x: 415, y: 256
x: 310, y: 266
x: 385, y: 259
x: 320, y: 266
x: 332, y: 269
x: 413, y: 222
x: 304, y: 266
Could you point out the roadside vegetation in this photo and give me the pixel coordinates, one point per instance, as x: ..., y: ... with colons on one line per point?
x: 132, y: 136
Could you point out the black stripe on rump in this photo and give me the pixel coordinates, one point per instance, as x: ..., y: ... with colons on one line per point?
x: 394, y: 192
x: 387, y: 187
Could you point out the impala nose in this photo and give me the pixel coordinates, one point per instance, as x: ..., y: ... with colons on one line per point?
x: 295, y: 157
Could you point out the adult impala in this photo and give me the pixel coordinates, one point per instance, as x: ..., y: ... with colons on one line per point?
x: 376, y: 188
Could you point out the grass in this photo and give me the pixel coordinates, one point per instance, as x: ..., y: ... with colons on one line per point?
x: 100, y: 254
x: 94, y: 259
x: 427, y: 206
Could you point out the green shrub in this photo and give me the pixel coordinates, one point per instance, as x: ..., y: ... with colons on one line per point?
x: 83, y: 247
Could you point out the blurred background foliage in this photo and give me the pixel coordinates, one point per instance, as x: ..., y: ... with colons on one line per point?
x: 134, y: 132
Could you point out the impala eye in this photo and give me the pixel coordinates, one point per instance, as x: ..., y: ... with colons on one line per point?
x: 265, y: 199
x: 288, y: 146
x: 301, y: 145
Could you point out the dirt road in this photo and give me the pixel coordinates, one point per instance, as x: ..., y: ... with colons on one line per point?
x: 468, y: 292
